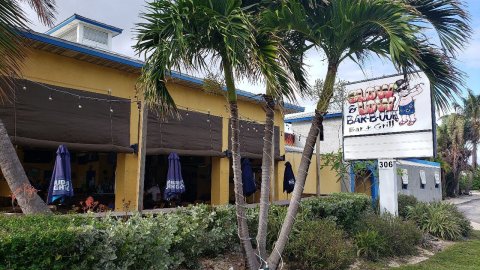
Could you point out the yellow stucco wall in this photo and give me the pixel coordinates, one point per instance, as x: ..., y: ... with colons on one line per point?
x: 63, y: 71
x: 328, y: 179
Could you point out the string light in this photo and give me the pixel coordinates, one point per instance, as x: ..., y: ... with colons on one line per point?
x: 80, y: 106
x: 80, y: 96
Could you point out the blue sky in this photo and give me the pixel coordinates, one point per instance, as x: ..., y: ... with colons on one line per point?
x: 124, y: 14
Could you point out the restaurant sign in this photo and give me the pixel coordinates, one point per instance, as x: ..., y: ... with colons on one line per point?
x: 389, y: 117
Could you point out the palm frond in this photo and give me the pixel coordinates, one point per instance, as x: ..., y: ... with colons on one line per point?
x: 185, y: 34
x: 279, y: 49
x: 393, y: 29
x: 11, y: 47
x: 449, y: 18
x: 45, y: 10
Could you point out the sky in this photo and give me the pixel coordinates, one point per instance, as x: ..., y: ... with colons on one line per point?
x: 125, y: 14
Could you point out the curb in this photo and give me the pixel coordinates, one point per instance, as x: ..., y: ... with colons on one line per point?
x: 469, y: 201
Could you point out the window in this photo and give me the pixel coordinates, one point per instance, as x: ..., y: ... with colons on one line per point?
x: 423, y: 179
x: 95, y: 35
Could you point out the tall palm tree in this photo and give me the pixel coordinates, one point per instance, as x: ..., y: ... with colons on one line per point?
x: 277, y: 44
x: 12, y: 17
x: 186, y: 34
x: 346, y: 29
x: 471, y: 109
x: 451, y: 138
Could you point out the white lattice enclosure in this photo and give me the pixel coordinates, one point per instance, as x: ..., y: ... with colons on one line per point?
x: 86, y: 31
x: 95, y: 37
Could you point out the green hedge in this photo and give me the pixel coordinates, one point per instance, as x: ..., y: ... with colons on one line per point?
x: 71, y: 242
x: 345, y: 208
x: 166, y: 241
x: 405, y: 202
x: 319, y: 244
x: 386, y: 236
x: 440, y: 219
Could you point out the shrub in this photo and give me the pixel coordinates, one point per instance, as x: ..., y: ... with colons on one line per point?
x: 319, y: 245
x: 476, y: 179
x: 440, y: 219
x: 344, y: 208
x: 465, y: 183
x: 370, y: 244
x: 166, y: 241
x: 404, y: 203
x: 401, y: 237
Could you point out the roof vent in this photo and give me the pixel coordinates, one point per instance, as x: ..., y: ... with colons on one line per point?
x: 86, y: 31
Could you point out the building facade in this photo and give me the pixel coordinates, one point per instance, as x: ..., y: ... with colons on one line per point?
x: 76, y: 92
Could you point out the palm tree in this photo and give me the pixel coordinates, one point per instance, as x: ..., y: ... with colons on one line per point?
x: 277, y: 44
x: 451, y: 137
x: 185, y: 34
x: 471, y: 109
x: 346, y: 29
x: 12, y: 18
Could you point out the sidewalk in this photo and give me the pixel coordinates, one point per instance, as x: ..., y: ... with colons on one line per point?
x: 464, y: 198
x: 470, y: 210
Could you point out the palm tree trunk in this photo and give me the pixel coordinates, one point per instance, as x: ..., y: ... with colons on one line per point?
x: 266, y: 177
x: 17, y: 180
x: 240, y: 205
x: 317, y: 159
x: 474, y: 156
x: 456, y: 182
x: 288, y: 223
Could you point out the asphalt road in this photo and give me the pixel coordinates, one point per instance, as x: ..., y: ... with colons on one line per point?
x: 471, y: 209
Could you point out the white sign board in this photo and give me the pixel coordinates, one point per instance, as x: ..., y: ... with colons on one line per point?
x: 390, y: 117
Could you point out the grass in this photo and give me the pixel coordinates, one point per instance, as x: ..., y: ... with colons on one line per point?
x: 461, y: 256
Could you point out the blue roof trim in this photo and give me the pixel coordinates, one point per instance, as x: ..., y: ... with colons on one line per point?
x: 130, y: 62
x: 60, y: 25
x: 87, y: 20
x: 80, y: 48
x: 309, y: 118
x: 241, y: 93
x: 426, y: 162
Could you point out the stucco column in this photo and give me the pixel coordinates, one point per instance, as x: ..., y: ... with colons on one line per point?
x: 126, y: 196
x: 129, y: 174
x: 220, y: 183
x: 279, y: 171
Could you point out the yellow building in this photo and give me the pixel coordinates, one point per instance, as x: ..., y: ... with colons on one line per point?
x: 75, y: 91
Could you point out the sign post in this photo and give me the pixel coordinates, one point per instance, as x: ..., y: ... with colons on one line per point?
x: 388, y: 186
x: 385, y: 119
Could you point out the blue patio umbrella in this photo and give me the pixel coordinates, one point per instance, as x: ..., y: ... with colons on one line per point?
x: 175, y: 185
x: 247, y: 178
x: 288, y: 178
x: 61, y: 182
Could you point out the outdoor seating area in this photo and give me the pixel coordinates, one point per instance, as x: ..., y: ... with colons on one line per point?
x: 92, y: 175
